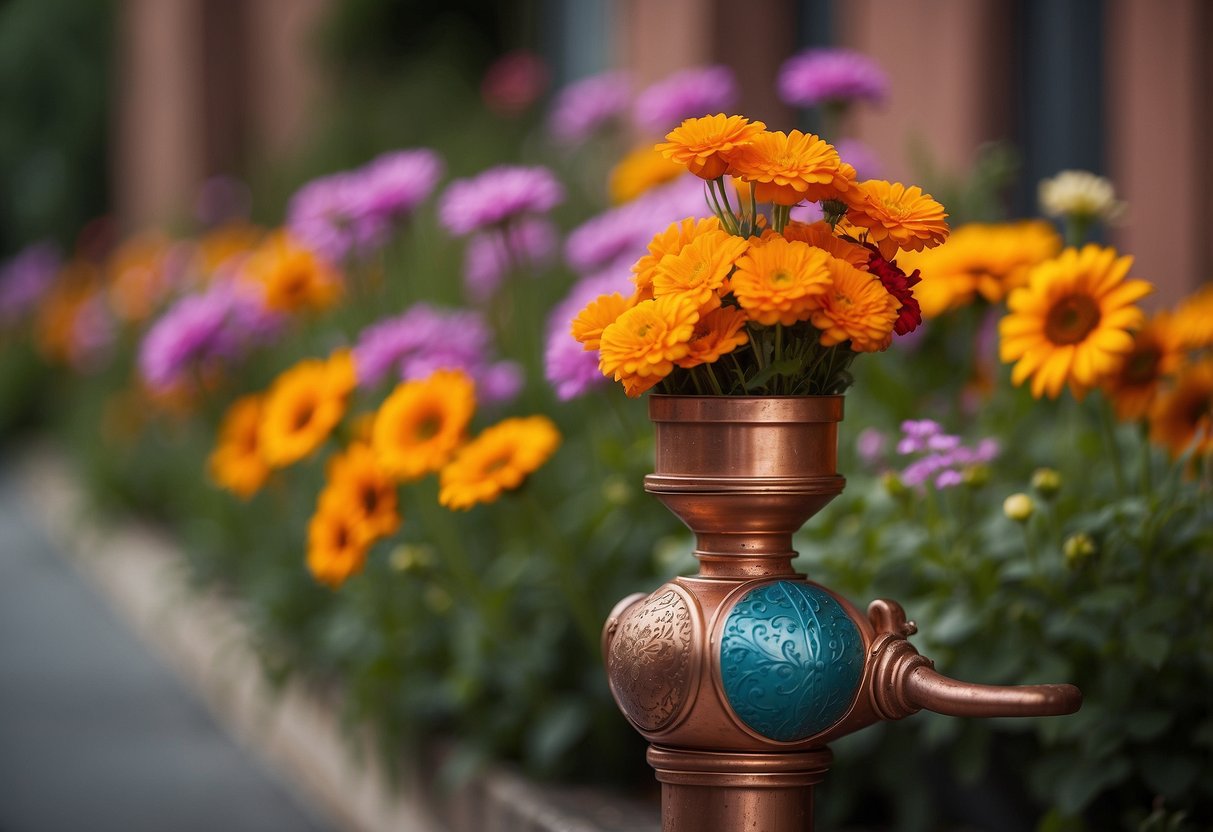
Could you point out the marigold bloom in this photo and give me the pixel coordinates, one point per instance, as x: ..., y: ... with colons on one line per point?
x: 820, y: 234
x: 236, y: 462
x: 1182, y: 420
x: 1134, y: 382
x: 336, y: 549
x: 789, y: 168
x: 646, y: 340
x: 1071, y: 322
x: 641, y: 170
x: 896, y: 217
x: 292, y: 276
x: 779, y: 281
x: 497, y: 460
x: 855, y: 308
x: 698, y: 272
x: 358, y: 485
x: 718, y: 333
x: 600, y: 313
x: 419, y: 426
x: 1193, y: 320
x: 302, y: 407
x: 670, y: 241
x: 704, y: 144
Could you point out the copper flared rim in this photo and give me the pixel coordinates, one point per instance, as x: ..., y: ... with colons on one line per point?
x: 672, y: 484
x: 762, y: 409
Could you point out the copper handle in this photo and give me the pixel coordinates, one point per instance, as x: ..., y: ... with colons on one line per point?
x: 925, y: 688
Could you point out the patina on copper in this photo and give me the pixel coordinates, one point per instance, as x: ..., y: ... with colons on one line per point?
x: 744, y: 474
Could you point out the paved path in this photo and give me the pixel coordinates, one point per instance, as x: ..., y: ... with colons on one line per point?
x: 95, y: 734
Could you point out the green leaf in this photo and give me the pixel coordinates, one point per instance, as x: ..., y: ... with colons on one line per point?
x: 1079, y: 784
x: 557, y: 731
x: 1148, y: 647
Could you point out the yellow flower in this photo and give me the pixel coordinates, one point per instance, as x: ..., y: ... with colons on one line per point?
x: 292, y: 276
x: 419, y: 426
x: 1134, y: 381
x: 640, y: 348
x: 226, y: 243
x: 1071, y: 322
x: 790, y: 168
x: 1193, y: 320
x: 856, y: 308
x: 598, y: 314
x: 699, y: 270
x: 704, y: 144
x: 820, y: 235
x: 1081, y: 194
x: 979, y: 259
x: 896, y: 217
x: 497, y: 460
x: 358, y: 484
x: 1182, y: 420
x: 236, y: 462
x: 671, y: 241
x: 779, y: 281
x: 718, y: 333
x: 640, y: 170
x: 302, y: 407
x: 336, y: 549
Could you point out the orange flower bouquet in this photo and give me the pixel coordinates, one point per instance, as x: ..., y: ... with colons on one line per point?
x: 754, y: 300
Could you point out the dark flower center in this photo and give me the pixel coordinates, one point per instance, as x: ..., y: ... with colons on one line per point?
x: 1141, y: 367
x: 1071, y: 320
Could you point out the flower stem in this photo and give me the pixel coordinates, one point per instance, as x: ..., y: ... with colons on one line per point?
x: 1109, y: 432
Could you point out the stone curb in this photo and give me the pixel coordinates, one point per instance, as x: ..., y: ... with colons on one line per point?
x: 293, y: 728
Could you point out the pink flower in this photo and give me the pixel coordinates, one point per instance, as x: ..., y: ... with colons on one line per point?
x: 586, y: 106
x: 818, y: 76
x: 690, y: 93
x: 497, y: 196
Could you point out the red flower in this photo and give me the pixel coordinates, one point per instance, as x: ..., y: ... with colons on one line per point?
x: 901, y: 286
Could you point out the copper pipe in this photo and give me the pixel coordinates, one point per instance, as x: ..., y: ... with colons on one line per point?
x: 935, y: 692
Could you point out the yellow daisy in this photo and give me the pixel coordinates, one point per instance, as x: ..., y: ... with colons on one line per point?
x: 639, y: 171
x: 857, y: 308
x: 704, y: 144
x: 1134, y: 381
x: 302, y: 407
x: 778, y: 281
x: 1071, y: 322
x: 336, y: 548
x: 419, y: 426
x: 497, y: 460
x: 1182, y: 420
x: 896, y: 217
x: 1193, y: 320
x: 236, y: 462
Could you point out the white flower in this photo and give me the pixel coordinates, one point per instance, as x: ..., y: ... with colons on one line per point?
x: 1079, y: 193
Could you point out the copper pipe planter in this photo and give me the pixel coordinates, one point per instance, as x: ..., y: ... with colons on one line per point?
x: 740, y: 675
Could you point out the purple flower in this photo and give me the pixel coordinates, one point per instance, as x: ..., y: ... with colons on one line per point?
x: 328, y: 215
x: 586, y: 106
x: 493, y: 254
x: 870, y: 444
x: 219, y: 325
x: 861, y: 157
x: 395, y: 183
x: 807, y: 213
x: 943, y: 457
x: 689, y: 93
x: 818, y: 76
x: 424, y: 339
x: 498, y: 195
x: 93, y: 334
x: 570, y: 368
x: 25, y: 279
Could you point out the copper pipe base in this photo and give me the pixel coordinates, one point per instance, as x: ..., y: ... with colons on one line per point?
x: 724, y: 791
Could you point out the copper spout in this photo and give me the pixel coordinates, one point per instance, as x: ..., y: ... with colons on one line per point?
x: 925, y: 688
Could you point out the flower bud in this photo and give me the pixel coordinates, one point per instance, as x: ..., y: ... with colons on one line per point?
x: 1078, y: 548
x: 975, y: 476
x: 409, y: 557
x: 1046, y: 482
x: 1018, y: 507
x: 893, y: 484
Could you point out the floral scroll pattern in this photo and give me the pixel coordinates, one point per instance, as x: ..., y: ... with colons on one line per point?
x: 650, y: 657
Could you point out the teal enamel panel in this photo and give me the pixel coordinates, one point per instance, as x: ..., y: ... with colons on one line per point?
x: 790, y: 660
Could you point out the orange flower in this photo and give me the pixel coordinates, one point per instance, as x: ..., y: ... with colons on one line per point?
x: 226, y: 243
x: 779, y: 281
x: 236, y: 462
x: 1155, y: 354
x: 671, y: 241
x: 855, y: 308
x: 699, y: 270
x: 1194, y: 320
x: 419, y: 426
x: 1071, y: 322
x: 137, y: 277
x: 360, y: 487
x: 819, y: 234
x: 302, y: 407
x: 497, y: 460
x: 896, y: 217
x: 292, y: 276
x: 640, y: 348
x: 790, y: 168
x: 1182, y: 420
x: 336, y: 549
x: 639, y: 171
x: 704, y: 144
x: 718, y: 333
x: 598, y: 314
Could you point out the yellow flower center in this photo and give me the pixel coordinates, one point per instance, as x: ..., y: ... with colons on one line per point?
x: 895, y: 210
x: 780, y: 277
x: 1071, y: 320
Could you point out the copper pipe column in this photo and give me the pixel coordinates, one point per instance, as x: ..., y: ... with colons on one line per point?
x: 715, y: 791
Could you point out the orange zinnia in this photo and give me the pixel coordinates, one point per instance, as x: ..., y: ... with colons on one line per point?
x: 704, y: 144
x: 820, y: 234
x: 1155, y: 354
x: 790, y: 168
x: 670, y: 241
x: 421, y: 424
x: 1182, y: 420
x: 302, y: 407
x: 497, y: 460
x: 292, y: 276
x: 640, y: 348
x: 236, y: 463
x: 778, y: 281
x: 336, y: 549
x: 855, y: 308
x: 699, y: 270
x: 359, y: 486
x: 717, y: 333
x: 639, y: 171
x: 896, y: 217
x: 598, y: 314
